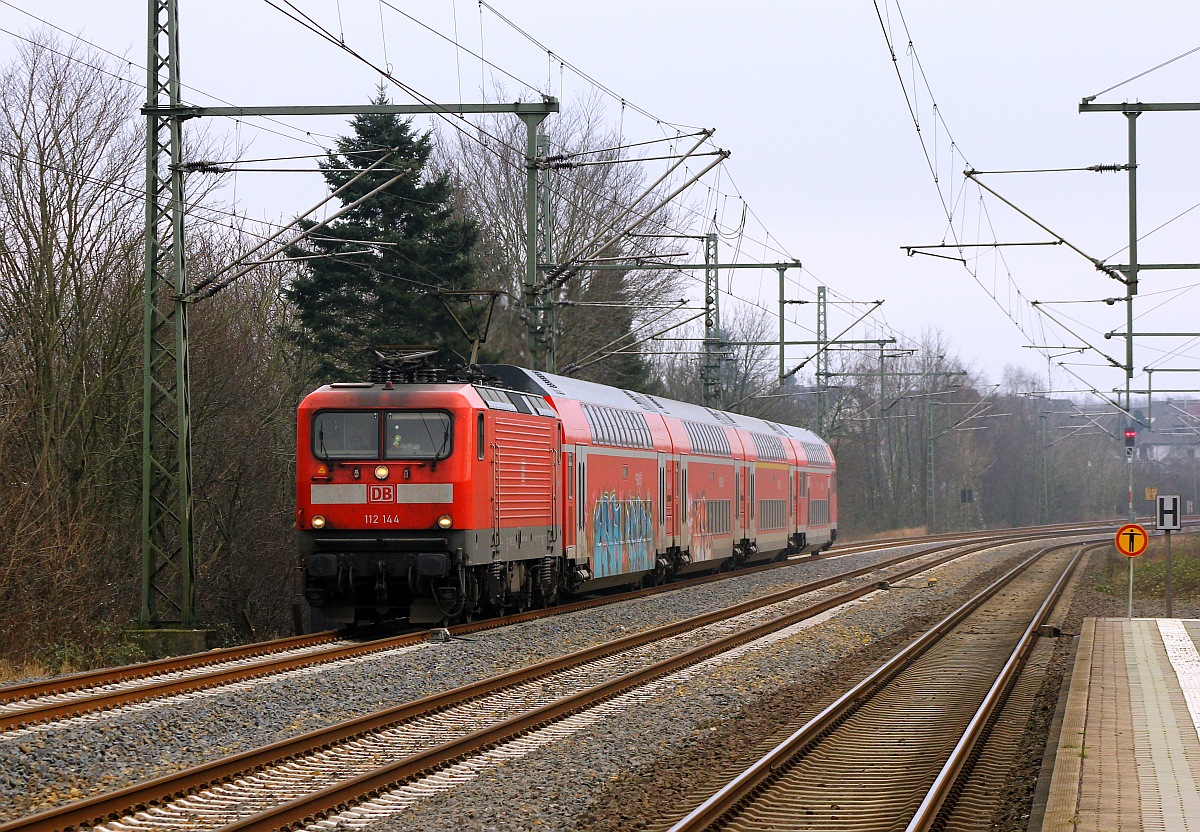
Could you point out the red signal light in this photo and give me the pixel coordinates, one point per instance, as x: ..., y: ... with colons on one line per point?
x: 1130, y: 436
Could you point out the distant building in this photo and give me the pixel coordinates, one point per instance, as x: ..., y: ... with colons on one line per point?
x: 1174, y: 431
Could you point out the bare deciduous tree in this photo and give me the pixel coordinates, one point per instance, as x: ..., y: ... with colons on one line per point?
x: 594, y: 307
x: 71, y: 275
x: 70, y: 322
x: 246, y: 382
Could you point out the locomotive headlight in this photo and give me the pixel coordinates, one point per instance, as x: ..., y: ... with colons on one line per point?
x: 444, y: 522
x: 381, y: 472
x: 318, y: 522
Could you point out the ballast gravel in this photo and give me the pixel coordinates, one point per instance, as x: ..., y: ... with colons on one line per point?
x: 552, y: 787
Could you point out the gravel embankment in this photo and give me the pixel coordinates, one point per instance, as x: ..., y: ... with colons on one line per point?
x: 634, y: 771
x: 648, y: 798
x: 716, y: 714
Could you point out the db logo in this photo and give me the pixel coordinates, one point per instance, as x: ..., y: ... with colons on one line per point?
x: 381, y: 493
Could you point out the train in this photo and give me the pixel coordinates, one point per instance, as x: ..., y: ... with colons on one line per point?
x: 435, y: 497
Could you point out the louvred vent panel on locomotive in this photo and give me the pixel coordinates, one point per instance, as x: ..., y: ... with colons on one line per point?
x: 525, y: 471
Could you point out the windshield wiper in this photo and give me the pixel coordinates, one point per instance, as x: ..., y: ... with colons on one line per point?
x: 441, y: 450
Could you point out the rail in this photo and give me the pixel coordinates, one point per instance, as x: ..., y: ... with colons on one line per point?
x: 155, y: 793
x: 100, y: 690
x: 743, y: 787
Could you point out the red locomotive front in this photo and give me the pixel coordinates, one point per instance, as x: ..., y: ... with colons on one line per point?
x: 401, y: 508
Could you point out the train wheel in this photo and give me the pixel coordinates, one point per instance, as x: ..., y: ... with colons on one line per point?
x: 662, y: 571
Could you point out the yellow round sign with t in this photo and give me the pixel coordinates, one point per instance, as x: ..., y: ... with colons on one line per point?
x: 1131, y: 540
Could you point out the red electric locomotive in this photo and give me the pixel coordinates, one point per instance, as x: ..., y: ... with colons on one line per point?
x: 429, y: 498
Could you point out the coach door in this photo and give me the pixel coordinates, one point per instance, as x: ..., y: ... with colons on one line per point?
x: 803, y: 500
x: 661, y: 543
x: 739, y: 500
x: 581, y: 501
x: 557, y: 494
x: 570, y: 532
x: 791, y: 512
x: 682, y: 502
x: 751, y: 500
x: 671, y: 501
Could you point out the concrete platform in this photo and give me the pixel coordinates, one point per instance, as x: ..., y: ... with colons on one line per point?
x: 1128, y: 753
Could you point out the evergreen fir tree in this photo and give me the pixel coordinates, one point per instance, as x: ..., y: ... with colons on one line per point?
x: 392, y: 253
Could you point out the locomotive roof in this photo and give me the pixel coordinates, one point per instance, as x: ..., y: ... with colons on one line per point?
x: 377, y: 394
x: 549, y: 384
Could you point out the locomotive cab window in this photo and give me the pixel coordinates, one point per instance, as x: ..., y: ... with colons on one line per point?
x: 346, y: 434
x: 540, y: 407
x: 412, y: 434
x: 521, y: 403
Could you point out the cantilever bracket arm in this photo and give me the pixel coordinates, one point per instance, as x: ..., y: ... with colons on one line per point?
x: 549, y: 105
x: 973, y: 175
x: 1111, y: 335
x: 911, y: 250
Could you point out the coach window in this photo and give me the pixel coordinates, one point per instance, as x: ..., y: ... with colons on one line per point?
x: 346, y: 434
x: 417, y: 435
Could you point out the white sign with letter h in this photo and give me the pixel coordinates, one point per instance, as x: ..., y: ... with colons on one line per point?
x: 1169, y: 514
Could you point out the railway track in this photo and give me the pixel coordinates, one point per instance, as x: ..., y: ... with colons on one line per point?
x: 898, y: 748
x: 440, y: 738
x: 80, y: 694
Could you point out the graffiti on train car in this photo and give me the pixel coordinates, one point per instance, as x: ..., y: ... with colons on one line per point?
x: 622, y: 530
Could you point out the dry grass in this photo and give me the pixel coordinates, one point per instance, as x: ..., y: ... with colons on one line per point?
x: 10, y: 672
x: 1150, y: 569
x: 914, y: 531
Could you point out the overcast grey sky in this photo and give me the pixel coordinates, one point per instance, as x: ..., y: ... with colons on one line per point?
x: 825, y: 153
